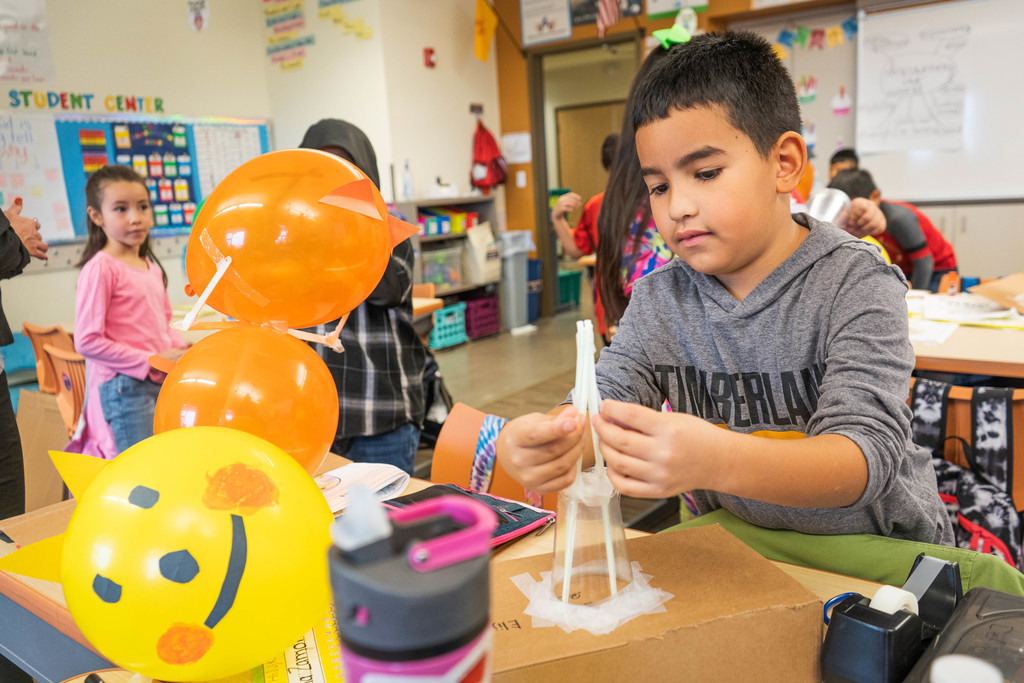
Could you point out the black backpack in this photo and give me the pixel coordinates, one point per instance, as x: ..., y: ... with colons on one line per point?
x: 979, y: 498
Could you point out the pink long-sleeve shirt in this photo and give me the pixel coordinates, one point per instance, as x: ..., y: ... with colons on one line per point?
x: 122, y: 317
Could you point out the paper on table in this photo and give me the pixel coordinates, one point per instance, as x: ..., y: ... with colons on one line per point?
x: 386, y: 481
x: 930, y: 331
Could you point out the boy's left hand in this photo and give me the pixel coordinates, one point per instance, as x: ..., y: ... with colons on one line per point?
x: 658, y: 454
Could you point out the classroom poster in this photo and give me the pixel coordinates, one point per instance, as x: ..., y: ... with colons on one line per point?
x: 585, y: 11
x: 221, y: 149
x: 30, y: 168
x: 544, y: 20
x: 175, y: 160
x: 25, y: 55
x: 159, y: 153
x: 663, y: 9
x: 288, y: 35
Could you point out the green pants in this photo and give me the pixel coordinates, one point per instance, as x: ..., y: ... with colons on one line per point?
x: 864, y: 556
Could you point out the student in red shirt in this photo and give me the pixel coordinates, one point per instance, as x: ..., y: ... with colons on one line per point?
x: 913, y: 243
x: 583, y: 239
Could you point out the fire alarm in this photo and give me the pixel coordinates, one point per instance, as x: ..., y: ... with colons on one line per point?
x: 429, y: 58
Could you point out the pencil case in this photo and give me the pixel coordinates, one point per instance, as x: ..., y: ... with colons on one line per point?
x: 515, y: 519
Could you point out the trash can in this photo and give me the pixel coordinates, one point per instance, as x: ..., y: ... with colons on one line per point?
x: 534, y: 286
x: 515, y: 247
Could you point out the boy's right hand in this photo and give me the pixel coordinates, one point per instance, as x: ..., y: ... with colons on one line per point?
x: 540, y: 451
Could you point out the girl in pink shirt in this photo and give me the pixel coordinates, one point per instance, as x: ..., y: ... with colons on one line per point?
x: 122, y: 314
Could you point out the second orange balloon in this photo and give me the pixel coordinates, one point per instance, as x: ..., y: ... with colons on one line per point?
x: 258, y: 381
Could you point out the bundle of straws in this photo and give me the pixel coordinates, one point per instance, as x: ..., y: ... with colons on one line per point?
x: 586, y: 400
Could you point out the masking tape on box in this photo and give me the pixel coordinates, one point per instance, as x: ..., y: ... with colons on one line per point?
x: 890, y: 599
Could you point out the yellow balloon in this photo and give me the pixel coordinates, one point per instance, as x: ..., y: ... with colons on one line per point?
x: 196, y: 554
x: 878, y: 245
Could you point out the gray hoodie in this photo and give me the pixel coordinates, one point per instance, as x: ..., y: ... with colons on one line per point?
x: 820, y: 346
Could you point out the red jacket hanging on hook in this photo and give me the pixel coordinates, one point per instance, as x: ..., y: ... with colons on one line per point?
x: 489, y: 168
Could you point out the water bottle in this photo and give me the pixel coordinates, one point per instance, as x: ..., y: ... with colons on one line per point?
x: 412, y: 589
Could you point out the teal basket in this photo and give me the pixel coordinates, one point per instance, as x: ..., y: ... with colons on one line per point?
x: 569, y: 287
x: 449, y: 327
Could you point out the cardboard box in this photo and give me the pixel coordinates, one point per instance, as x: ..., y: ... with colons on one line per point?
x: 1008, y: 292
x: 42, y: 430
x: 735, y: 616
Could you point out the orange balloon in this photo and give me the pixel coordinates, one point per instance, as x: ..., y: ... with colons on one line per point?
x: 806, y: 181
x: 255, y: 380
x: 308, y: 236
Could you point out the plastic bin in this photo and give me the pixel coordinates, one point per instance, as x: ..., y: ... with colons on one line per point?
x: 515, y: 246
x: 534, y: 286
x: 482, y: 317
x: 442, y: 267
x: 569, y: 287
x: 449, y: 327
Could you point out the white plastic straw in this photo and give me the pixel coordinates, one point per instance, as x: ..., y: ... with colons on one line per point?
x: 594, y: 406
x: 586, y: 400
x: 190, y: 317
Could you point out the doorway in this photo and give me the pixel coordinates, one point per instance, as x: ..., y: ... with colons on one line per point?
x: 584, y: 99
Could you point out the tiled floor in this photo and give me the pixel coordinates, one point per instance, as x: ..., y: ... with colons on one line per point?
x: 486, y: 370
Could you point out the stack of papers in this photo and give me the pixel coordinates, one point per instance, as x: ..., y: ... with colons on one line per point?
x: 930, y: 331
x: 386, y: 481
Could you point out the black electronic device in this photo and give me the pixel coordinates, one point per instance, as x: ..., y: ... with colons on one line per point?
x: 987, y: 624
x: 867, y: 645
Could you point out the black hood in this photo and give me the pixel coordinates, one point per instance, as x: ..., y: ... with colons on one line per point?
x: 338, y: 133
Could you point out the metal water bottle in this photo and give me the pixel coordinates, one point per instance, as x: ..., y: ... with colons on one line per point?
x: 412, y: 590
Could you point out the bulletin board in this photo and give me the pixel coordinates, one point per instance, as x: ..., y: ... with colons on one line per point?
x: 46, y: 159
x: 181, y: 160
x: 938, y: 117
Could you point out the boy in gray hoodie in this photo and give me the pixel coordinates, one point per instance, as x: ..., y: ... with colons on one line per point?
x: 780, y: 342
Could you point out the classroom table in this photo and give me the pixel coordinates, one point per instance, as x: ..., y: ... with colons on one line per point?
x: 975, y: 350
x: 36, y: 629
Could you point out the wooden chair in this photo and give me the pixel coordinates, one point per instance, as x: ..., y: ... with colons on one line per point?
x: 423, y: 324
x: 452, y: 461
x: 40, y: 336
x: 69, y: 371
x: 959, y: 424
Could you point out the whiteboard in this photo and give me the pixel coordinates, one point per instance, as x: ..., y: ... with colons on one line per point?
x: 940, y: 99
x: 30, y: 168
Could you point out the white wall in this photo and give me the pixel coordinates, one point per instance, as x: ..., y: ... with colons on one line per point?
x: 429, y: 107
x: 342, y: 78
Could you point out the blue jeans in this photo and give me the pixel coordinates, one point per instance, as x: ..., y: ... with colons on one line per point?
x: 129, y: 406
x: 397, y: 447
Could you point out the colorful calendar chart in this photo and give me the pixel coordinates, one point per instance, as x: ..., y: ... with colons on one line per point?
x: 181, y: 160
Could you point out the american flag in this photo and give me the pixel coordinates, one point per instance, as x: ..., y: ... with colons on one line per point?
x: 607, y: 14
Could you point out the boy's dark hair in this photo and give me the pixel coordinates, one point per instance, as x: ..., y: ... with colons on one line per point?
x: 611, y: 141
x: 842, y: 155
x: 855, y: 182
x: 738, y: 72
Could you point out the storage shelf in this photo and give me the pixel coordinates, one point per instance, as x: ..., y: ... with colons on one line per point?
x: 450, y: 291
x: 426, y: 239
